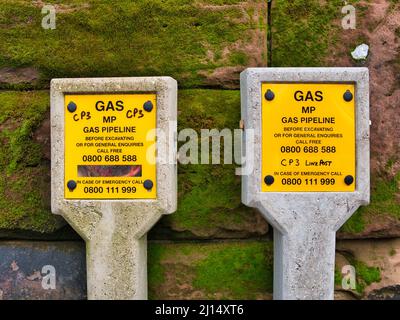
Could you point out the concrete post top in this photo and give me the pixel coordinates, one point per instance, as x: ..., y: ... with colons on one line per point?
x: 84, y: 215
x: 288, y: 210
x: 322, y: 74
x: 117, y: 84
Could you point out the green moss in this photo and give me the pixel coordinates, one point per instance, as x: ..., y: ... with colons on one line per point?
x: 384, y: 201
x: 338, y: 277
x: 209, y: 195
x: 303, y: 30
x: 355, y: 224
x: 232, y: 270
x: 366, y: 275
x: 24, y: 180
x: 238, y: 271
x: 209, y: 109
x: 125, y: 38
x: 384, y: 197
x: 212, y: 194
x: 156, y: 271
x: 392, y: 252
x: 22, y: 113
x: 239, y: 58
x: 390, y: 163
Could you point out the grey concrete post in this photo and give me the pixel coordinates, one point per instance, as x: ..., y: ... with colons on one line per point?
x: 305, y: 223
x: 115, y: 230
x: 305, y: 273
x: 117, y: 274
x: 117, y: 258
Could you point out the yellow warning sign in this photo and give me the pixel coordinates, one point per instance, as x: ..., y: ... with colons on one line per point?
x: 110, y: 146
x: 308, y: 137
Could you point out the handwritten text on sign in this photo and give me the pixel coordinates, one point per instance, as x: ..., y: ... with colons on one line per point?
x: 308, y: 137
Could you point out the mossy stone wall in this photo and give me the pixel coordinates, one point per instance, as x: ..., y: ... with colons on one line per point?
x: 213, y: 246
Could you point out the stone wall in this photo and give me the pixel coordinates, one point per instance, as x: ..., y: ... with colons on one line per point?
x: 213, y: 247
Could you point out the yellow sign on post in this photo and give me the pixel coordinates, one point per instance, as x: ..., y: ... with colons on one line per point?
x: 110, y: 146
x: 308, y: 137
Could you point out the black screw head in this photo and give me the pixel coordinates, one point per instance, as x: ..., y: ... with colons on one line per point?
x: 348, y: 180
x: 71, y: 107
x: 71, y: 184
x: 269, y: 180
x: 348, y: 96
x: 148, y: 184
x: 148, y: 106
x: 269, y: 95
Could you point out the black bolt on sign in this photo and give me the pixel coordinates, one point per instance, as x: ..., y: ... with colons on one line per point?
x: 269, y: 180
x: 71, y: 107
x: 148, y: 184
x: 269, y: 95
x: 348, y: 96
x: 148, y: 106
x: 348, y: 180
x: 71, y: 184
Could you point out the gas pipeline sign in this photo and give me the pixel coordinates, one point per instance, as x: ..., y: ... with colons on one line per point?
x: 110, y: 146
x: 308, y: 137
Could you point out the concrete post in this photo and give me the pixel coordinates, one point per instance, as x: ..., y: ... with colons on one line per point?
x: 115, y: 229
x: 117, y: 273
x: 304, y: 222
x: 306, y: 259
